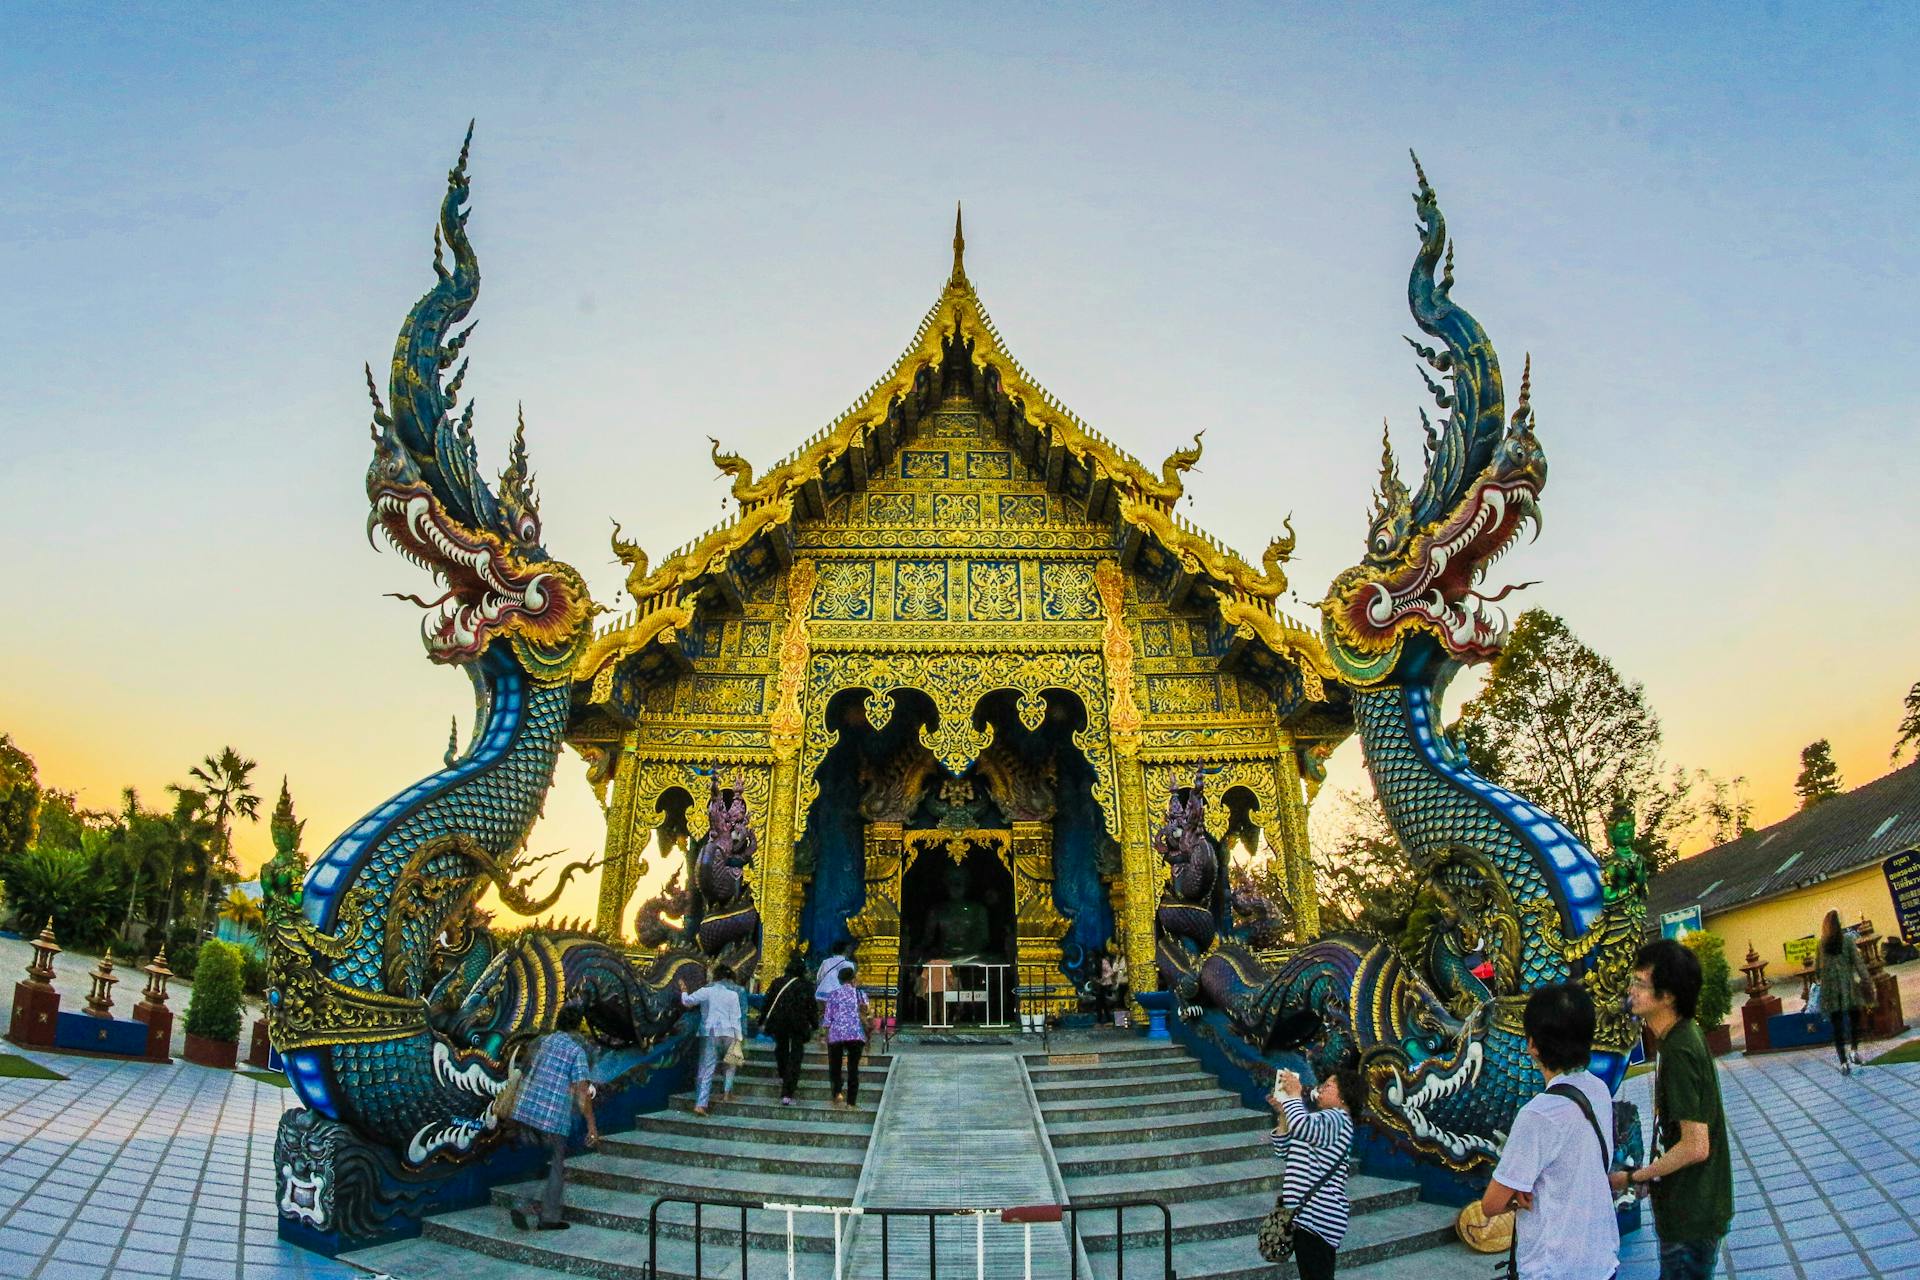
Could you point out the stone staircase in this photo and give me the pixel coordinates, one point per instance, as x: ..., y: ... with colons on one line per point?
x: 1124, y: 1118
x: 751, y: 1149
x: 1137, y: 1119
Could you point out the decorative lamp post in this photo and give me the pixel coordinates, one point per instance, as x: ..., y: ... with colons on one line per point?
x: 40, y: 968
x: 100, y: 999
x: 1756, y: 970
x: 1761, y: 1008
x: 153, y: 1010
x: 158, y: 975
x: 36, y: 1003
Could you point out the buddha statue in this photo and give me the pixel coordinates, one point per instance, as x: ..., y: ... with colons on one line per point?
x: 957, y: 928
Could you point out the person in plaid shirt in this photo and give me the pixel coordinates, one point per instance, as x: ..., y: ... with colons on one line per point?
x: 558, y: 1083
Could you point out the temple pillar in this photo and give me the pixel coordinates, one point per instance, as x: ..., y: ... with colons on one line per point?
x: 617, y: 876
x: 1037, y: 922
x: 1294, y: 847
x: 876, y: 929
x: 1141, y: 874
x: 776, y: 891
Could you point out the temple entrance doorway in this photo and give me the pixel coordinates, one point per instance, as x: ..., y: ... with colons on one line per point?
x: 957, y: 931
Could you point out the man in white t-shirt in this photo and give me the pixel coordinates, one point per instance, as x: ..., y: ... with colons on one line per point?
x: 827, y: 981
x: 1553, y: 1169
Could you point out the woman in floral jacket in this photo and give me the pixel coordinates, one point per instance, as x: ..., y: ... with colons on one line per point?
x: 1846, y: 991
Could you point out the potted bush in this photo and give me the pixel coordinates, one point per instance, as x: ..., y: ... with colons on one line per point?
x: 213, y: 1013
x: 1716, y: 991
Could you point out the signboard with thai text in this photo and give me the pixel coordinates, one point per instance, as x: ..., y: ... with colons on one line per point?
x: 1800, y: 951
x: 1903, y: 882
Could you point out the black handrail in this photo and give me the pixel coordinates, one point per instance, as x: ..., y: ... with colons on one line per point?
x: 1071, y: 1214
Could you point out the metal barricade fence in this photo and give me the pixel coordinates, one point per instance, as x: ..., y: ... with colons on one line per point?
x: 1038, y: 994
x: 1024, y: 1216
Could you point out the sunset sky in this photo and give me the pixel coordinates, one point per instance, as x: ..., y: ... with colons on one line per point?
x: 727, y: 220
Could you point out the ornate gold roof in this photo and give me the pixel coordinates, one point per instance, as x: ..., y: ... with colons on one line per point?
x: 958, y: 326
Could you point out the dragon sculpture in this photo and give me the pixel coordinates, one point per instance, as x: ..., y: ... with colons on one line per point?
x: 1188, y: 918
x: 393, y: 1008
x: 1444, y: 1053
x: 726, y: 921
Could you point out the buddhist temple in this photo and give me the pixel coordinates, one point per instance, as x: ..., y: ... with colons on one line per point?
x: 954, y: 653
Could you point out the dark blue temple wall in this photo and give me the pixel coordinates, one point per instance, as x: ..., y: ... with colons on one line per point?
x: 1079, y: 833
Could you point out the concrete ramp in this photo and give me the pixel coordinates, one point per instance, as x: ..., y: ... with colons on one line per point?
x: 958, y: 1130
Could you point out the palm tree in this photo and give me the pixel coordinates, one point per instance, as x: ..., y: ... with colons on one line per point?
x: 226, y: 780
x: 242, y: 912
x: 192, y: 839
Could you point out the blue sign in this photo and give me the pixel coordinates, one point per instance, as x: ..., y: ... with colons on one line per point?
x: 1678, y: 924
x: 1903, y: 883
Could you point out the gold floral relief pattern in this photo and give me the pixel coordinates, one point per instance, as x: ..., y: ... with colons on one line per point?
x: 728, y: 695
x: 956, y: 509
x: 923, y: 464
x: 890, y: 508
x: 756, y: 639
x: 995, y: 465
x: 1023, y: 508
x: 844, y: 590
x: 1067, y: 593
x: 920, y: 590
x: 1183, y: 695
x: 993, y: 590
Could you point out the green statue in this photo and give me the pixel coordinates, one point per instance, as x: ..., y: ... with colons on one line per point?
x: 1626, y: 870
x: 284, y: 874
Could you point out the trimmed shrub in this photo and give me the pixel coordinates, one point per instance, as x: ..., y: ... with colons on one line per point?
x: 1716, y: 979
x: 214, y: 1010
x: 253, y: 972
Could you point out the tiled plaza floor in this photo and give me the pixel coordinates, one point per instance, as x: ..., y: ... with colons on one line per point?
x: 132, y: 1170
x: 1826, y: 1171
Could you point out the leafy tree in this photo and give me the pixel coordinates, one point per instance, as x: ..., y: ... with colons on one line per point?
x: 66, y: 886
x: 141, y: 849
x: 242, y: 912
x: 1909, y: 732
x: 19, y: 798
x: 63, y: 823
x: 1685, y: 805
x: 1557, y: 722
x: 195, y: 846
x: 227, y: 782
x: 1365, y: 879
x: 1819, y: 779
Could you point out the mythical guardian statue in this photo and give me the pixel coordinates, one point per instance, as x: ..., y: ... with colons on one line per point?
x: 1443, y: 1053
x: 394, y: 1010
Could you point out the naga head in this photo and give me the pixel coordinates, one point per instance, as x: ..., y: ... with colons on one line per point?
x: 428, y: 497
x: 1415, y: 592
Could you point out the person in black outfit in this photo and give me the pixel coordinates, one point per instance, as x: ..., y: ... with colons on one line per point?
x: 789, y: 1017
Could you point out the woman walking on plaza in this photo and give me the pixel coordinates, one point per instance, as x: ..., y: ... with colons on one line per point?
x: 1315, y: 1144
x: 788, y: 1017
x: 1846, y: 991
x: 846, y: 1037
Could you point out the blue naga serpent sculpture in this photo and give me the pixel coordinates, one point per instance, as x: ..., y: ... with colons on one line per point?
x: 394, y: 1010
x: 1444, y: 1053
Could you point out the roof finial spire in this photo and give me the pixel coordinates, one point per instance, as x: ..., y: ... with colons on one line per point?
x: 959, y: 276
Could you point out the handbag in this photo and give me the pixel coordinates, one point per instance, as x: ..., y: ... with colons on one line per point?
x: 1275, y: 1236
x: 736, y: 1053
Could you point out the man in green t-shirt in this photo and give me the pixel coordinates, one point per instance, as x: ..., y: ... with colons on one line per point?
x: 1690, y: 1176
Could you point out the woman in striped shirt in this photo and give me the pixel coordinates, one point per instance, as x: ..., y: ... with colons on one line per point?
x: 1315, y: 1144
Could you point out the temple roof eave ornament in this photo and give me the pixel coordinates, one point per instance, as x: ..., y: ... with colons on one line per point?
x: 1247, y: 596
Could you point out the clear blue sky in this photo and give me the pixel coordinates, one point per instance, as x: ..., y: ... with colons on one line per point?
x: 1699, y: 220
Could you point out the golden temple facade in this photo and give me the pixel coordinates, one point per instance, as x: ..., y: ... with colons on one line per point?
x: 957, y: 620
